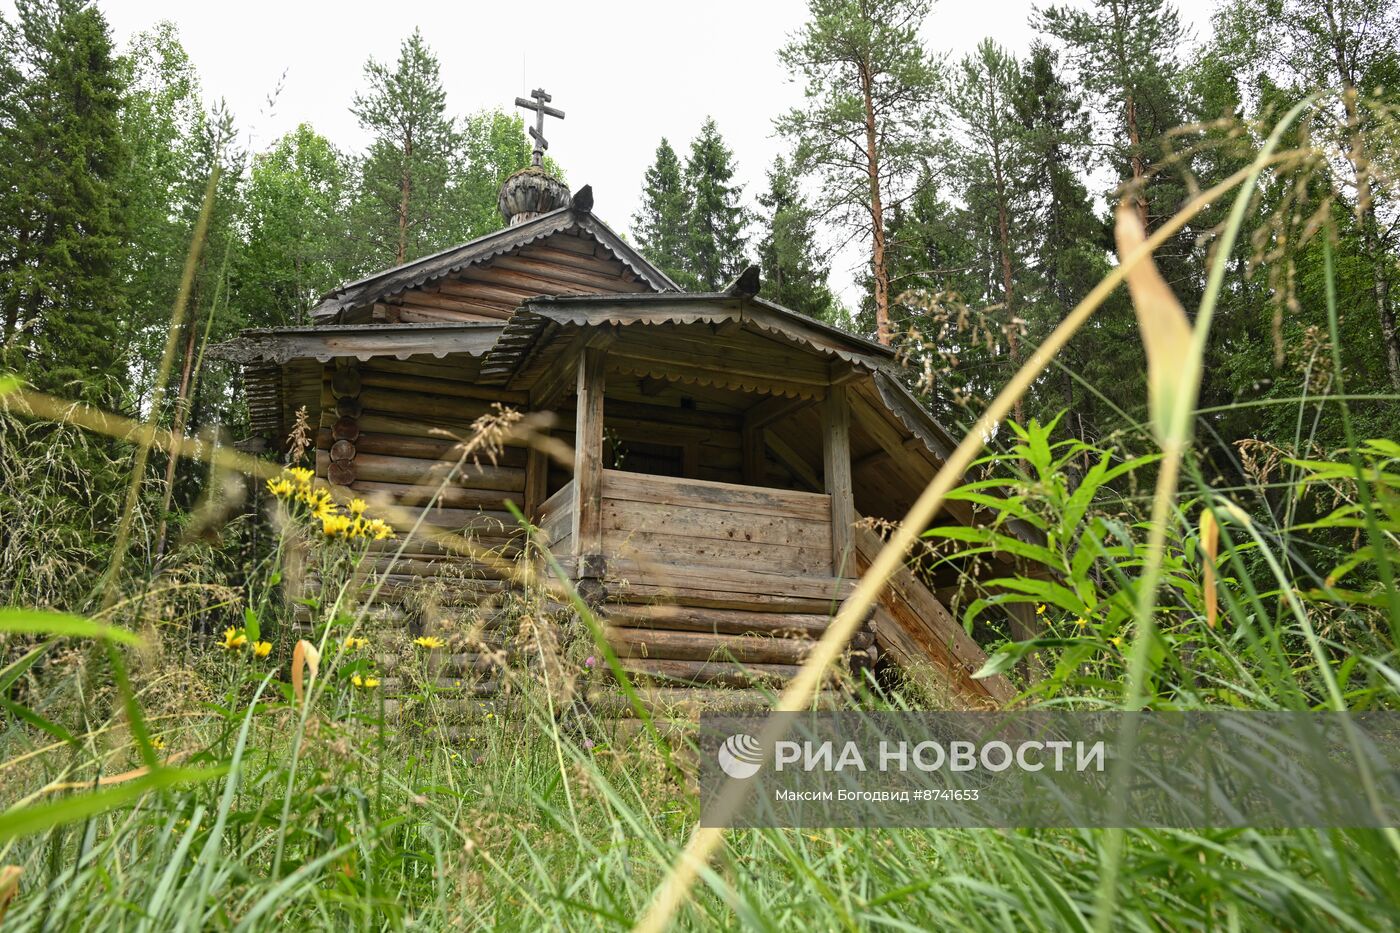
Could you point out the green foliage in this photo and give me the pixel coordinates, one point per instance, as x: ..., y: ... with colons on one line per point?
x: 794, y: 271
x: 297, y: 229
x: 715, y: 224
x: 494, y: 146
x: 60, y: 276
x: 865, y: 131
x: 661, y: 223
x: 406, y: 176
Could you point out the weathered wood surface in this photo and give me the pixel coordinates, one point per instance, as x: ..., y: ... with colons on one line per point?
x: 585, y: 527
x: 836, y: 447
x: 689, y: 702
x: 726, y: 580
x: 638, y: 487
x: 726, y: 673
x: 916, y: 628
x: 718, y: 621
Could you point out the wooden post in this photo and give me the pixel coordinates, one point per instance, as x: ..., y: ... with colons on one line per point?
x: 536, y: 482
x: 836, y: 475
x: 587, y: 524
x: 752, y: 445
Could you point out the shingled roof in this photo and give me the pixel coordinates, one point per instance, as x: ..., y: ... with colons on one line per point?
x: 451, y: 261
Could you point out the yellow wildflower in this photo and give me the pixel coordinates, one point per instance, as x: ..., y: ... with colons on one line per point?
x: 379, y: 529
x: 302, y: 475
x: 366, y: 683
x: 262, y: 649
x: 357, y: 506
x: 280, y: 488
x: 1116, y: 641
x: 1040, y: 609
x: 335, y: 526
x: 429, y: 642
x: 158, y: 743
x: 1081, y: 622
x: 234, y: 639
x: 354, y: 644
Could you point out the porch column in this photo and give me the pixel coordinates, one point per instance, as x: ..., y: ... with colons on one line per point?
x: 587, y: 524
x: 836, y: 475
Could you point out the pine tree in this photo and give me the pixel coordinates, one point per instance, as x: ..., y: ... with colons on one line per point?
x: 1126, y: 54
x: 988, y: 158
x: 717, y: 218
x: 405, y: 180
x: 865, y: 129
x: 60, y: 267
x: 794, y: 272
x: 661, y: 224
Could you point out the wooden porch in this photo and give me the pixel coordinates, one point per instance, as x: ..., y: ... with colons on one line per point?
x: 705, y: 582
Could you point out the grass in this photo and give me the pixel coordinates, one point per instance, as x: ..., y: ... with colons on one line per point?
x: 153, y: 779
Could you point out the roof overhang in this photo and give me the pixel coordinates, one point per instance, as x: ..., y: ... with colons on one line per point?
x: 361, y: 341
x: 539, y: 319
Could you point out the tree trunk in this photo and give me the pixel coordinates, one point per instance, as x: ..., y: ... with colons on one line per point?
x: 405, y: 186
x: 1139, y: 196
x: 1007, y: 283
x: 877, y: 214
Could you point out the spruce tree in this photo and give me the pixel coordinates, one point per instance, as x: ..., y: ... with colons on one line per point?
x: 60, y: 271
x: 794, y: 271
x: 404, y: 202
x: 661, y: 224
x: 1068, y: 246
x: 717, y: 217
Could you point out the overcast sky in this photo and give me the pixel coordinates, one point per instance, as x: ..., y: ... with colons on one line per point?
x: 626, y: 73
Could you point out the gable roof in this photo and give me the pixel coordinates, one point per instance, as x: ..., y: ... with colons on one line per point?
x: 439, y: 265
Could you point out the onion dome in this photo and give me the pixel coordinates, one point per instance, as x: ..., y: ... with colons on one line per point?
x: 529, y: 193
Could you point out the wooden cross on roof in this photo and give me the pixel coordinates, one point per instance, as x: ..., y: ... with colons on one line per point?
x: 538, y: 105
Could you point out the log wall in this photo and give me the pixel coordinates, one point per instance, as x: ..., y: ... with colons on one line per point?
x: 395, y: 428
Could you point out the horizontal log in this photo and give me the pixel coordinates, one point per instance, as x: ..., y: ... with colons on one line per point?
x: 728, y: 580
x: 589, y: 281
x: 384, y: 468
x: 689, y: 702
x: 470, y: 314
x: 666, y: 490
x: 450, y: 388
x: 733, y: 553
x: 585, y: 262
x: 721, y: 524
x: 455, y: 430
x: 709, y: 672
x: 452, y: 497
x: 719, y: 621
x: 424, y: 448
x: 701, y: 646
x: 424, y: 404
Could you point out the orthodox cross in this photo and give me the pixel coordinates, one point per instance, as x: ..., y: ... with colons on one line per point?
x: 541, y: 110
